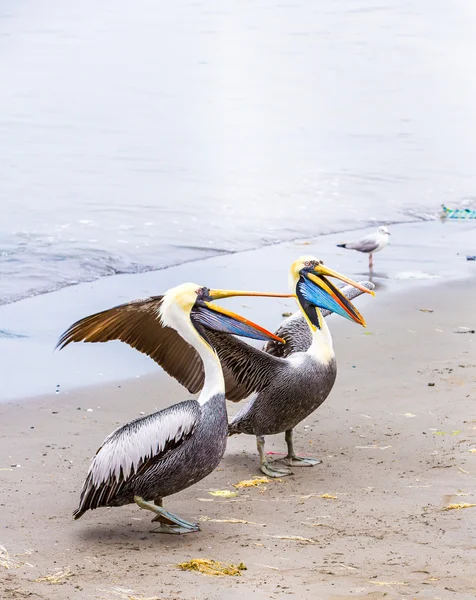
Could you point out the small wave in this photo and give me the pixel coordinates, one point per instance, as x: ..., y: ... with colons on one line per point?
x: 4, y: 333
x: 34, y: 264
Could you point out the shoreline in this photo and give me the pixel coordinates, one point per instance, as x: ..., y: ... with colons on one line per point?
x: 207, y: 253
x: 420, y: 254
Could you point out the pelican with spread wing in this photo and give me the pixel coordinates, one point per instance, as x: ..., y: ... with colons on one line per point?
x: 163, y: 453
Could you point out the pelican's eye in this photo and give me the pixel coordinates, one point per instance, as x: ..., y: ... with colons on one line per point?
x: 313, y: 263
x: 203, y: 291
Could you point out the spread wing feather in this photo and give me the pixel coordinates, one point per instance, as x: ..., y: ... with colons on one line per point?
x: 138, y: 324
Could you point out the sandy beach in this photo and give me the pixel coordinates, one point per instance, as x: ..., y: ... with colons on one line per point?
x: 147, y: 144
x: 397, y: 438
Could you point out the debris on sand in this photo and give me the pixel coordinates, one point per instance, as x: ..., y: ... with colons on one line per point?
x: 125, y: 594
x: 10, y: 562
x: 251, y: 482
x: 473, y: 450
x: 388, y: 583
x: 223, y: 493
x: 212, y: 567
x: 462, y: 329
x: 458, y: 506
x: 295, y: 538
x: 286, y: 314
x: 426, y: 310
x: 242, y: 521
x: 268, y: 567
x: 57, y: 578
x: 307, y: 496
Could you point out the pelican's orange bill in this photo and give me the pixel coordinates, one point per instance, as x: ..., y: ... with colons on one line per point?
x: 323, y: 270
x: 227, y: 321
x: 219, y: 294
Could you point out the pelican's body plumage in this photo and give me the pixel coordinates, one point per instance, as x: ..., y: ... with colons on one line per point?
x: 301, y: 383
x: 161, y: 454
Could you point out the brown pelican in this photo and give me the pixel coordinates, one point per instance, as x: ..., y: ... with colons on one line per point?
x: 161, y: 454
x: 370, y: 243
x: 290, y: 383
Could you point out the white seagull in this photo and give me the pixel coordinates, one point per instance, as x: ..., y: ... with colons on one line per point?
x: 370, y: 243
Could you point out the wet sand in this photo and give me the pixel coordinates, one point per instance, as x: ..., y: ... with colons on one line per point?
x: 419, y: 254
x: 395, y: 452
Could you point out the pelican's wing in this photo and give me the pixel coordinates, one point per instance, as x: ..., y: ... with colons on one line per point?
x: 132, y: 448
x: 295, y: 330
x: 138, y: 324
x: 245, y: 369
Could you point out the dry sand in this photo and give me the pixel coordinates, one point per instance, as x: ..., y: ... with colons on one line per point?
x: 395, y: 452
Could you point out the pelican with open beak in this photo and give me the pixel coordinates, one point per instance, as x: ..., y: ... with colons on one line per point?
x: 291, y: 380
x: 163, y: 453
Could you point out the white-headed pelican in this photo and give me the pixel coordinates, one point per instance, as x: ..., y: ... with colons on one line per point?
x: 161, y: 454
x: 292, y: 381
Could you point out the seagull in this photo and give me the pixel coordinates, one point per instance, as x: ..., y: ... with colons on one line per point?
x: 370, y: 243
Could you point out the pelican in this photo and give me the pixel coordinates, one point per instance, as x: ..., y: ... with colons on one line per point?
x: 370, y: 243
x: 163, y: 453
x: 292, y: 382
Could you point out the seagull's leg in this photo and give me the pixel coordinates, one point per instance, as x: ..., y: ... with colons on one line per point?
x: 371, y: 261
x: 264, y: 465
x: 169, y: 523
x: 297, y: 461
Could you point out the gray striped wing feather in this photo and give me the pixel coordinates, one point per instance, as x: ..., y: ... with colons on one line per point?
x: 132, y: 448
x: 138, y: 324
x: 296, y: 332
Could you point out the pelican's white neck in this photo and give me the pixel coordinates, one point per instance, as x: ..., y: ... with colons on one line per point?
x: 322, y: 348
x: 178, y: 318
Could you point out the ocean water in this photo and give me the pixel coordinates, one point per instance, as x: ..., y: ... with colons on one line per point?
x: 135, y: 136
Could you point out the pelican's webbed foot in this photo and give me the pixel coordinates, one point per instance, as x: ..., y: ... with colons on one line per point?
x: 297, y: 461
x: 274, y: 472
x: 265, y: 466
x: 174, y: 530
x: 169, y: 523
x: 300, y: 461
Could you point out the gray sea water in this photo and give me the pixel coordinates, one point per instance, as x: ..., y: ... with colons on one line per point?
x: 137, y: 135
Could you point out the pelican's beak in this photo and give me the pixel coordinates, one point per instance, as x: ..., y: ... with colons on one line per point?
x: 324, y: 294
x: 219, y: 294
x: 326, y: 272
x: 217, y: 318
x: 222, y: 319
